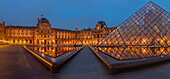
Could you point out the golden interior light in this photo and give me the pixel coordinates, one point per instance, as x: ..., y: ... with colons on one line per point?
x: 162, y: 41
x: 105, y: 48
x: 168, y: 49
x: 42, y: 54
x: 144, y: 50
x: 4, y: 41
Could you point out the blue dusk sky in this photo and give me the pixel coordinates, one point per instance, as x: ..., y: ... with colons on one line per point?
x: 69, y: 14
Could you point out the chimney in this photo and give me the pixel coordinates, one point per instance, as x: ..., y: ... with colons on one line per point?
x: 38, y: 20
x: 3, y: 22
x: 76, y: 29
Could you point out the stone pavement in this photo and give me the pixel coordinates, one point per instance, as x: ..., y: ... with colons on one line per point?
x: 16, y: 63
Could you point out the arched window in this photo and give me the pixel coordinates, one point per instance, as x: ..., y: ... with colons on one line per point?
x: 38, y: 41
x: 55, y: 41
x: 30, y: 41
x: 13, y: 40
x: 97, y: 35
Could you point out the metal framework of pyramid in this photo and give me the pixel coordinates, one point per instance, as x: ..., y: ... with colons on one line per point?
x: 149, y: 26
x: 78, y: 43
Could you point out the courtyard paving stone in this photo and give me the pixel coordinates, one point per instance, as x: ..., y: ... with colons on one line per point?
x: 17, y: 63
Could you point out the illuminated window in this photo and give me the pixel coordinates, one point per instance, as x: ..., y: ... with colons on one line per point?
x: 88, y: 36
x: 97, y: 27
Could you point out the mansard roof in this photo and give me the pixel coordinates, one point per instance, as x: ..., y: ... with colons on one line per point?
x: 22, y: 27
x: 56, y: 29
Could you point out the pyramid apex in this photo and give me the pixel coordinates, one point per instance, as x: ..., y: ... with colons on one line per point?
x: 151, y: 2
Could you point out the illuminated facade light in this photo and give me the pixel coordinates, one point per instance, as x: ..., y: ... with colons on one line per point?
x: 144, y: 40
x: 162, y: 41
x: 42, y: 55
x: 144, y: 50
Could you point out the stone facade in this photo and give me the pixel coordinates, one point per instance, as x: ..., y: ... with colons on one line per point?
x: 44, y: 34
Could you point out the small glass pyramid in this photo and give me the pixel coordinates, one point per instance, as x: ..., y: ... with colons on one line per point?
x: 149, y: 26
x: 78, y: 43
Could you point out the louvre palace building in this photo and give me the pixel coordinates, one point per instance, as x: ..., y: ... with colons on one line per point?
x: 44, y: 34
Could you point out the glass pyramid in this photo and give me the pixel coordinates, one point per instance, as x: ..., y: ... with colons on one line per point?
x: 127, y: 53
x: 78, y: 43
x: 149, y: 26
